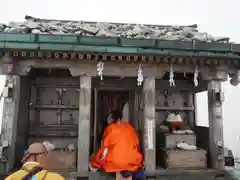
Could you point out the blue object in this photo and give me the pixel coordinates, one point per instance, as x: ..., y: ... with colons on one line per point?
x: 140, y: 173
x: 34, y: 178
x: 25, y: 152
x: 137, y: 174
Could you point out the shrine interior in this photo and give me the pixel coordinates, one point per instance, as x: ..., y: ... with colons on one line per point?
x: 51, y: 114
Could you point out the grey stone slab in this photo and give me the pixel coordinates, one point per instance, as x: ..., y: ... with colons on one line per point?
x: 139, y: 31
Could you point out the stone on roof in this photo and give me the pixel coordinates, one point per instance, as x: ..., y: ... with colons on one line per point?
x: 43, y: 26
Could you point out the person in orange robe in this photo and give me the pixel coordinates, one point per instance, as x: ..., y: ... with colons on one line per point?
x: 120, y: 149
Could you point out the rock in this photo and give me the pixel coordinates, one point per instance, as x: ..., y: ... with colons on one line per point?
x: 15, y: 24
x: 100, y: 25
x: 6, y: 29
x: 127, y: 27
x: 2, y: 27
x: 106, y: 33
x: 210, y: 38
x: 58, y: 32
x: 78, y: 32
x: 199, y: 36
x: 139, y: 30
x: 222, y: 39
x: 189, y: 29
x: 88, y: 29
x: 17, y: 30
x: 31, y: 24
x: 175, y: 32
x: 36, y: 31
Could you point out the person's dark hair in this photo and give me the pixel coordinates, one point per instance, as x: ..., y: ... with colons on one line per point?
x: 117, y: 115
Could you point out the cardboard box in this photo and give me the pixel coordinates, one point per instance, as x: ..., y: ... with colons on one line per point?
x: 174, y: 158
x: 60, y: 160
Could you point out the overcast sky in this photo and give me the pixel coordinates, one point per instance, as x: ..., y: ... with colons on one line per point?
x: 217, y: 17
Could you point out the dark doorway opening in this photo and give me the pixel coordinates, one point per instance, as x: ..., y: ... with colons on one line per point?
x: 105, y: 101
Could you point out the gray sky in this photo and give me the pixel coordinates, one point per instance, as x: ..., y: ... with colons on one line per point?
x: 217, y: 17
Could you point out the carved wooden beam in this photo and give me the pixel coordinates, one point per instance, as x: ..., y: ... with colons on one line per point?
x: 8, y: 64
x: 213, y: 74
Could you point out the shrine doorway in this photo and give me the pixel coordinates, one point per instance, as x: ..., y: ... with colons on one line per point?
x: 105, y: 101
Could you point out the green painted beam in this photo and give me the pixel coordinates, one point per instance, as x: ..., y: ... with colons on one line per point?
x: 9, y: 41
x: 13, y: 37
x: 56, y: 39
x: 15, y: 45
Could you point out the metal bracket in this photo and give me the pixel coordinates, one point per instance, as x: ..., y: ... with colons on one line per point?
x: 219, y: 96
x: 8, y: 92
x: 220, y: 157
x: 219, y: 143
x: 4, y: 145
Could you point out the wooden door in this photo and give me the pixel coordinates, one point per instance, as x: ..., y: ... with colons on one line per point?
x: 53, y: 116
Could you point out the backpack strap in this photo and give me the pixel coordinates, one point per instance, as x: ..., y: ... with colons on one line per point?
x: 45, y: 175
x: 31, y: 173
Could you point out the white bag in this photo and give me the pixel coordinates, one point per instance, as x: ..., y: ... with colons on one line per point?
x: 49, y: 146
x: 178, y: 118
x: 171, y: 117
x: 174, y: 118
x: 185, y: 146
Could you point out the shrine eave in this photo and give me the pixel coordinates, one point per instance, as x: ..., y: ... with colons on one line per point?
x: 16, y: 43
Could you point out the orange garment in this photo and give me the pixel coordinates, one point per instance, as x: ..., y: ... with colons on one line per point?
x: 123, y: 149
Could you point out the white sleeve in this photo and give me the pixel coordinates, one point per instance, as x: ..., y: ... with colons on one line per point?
x: 91, y: 168
x: 104, y: 154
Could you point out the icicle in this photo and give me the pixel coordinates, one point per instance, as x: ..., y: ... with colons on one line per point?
x: 171, y: 77
x: 100, y: 66
x: 195, y: 79
x: 139, y: 76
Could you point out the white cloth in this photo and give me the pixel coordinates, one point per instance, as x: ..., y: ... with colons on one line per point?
x: 171, y: 77
x: 29, y: 162
x: 183, y: 131
x: 100, y: 67
x: 195, y: 79
x: 174, y: 118
x: 49, y: 146
x: 104, y: 154
x: 186, y: 146
x: 139, y: 75
x: 109, y: 119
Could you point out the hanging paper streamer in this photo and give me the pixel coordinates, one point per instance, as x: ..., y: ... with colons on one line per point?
x: 184, y: 74
x: 139, y: 75
x: 171, y: 77
x: 195, y: 79
x: 100, y: 66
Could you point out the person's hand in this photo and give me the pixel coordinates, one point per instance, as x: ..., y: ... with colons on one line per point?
x: 92, y: 169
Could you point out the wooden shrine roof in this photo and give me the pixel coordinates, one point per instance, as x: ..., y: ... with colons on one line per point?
x: 103, y: 41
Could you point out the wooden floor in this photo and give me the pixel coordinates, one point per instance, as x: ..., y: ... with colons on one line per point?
x: 201, y: 175
x: 196, y: 176
x: 162, y: 174
x: 190, y: 175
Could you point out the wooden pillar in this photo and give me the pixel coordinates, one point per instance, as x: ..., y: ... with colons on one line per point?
x: 215, y: 124
x: 84, y: 124
x: 149, y: 124
x: 10, y: 118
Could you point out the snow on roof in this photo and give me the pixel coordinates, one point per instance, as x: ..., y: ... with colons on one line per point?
x: 45, y: 26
